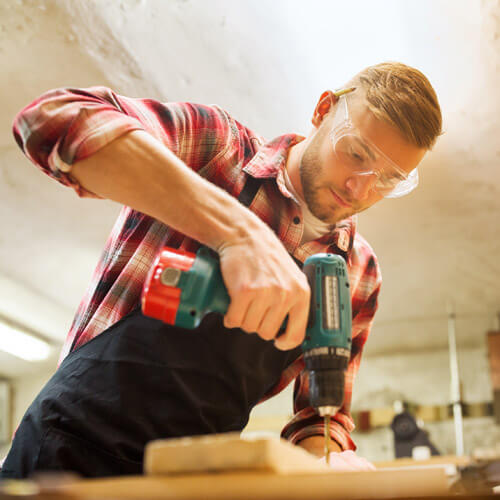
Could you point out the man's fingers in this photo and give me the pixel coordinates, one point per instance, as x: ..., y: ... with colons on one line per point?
x: 260, y: 316
x: 296, y: 327
x: 337, y: 463
x: 354, y: 460
x: 236, y: 311
x: 271, y: 323
x: 252, y: 319
x: 256, y: 315
x: 348, y: 461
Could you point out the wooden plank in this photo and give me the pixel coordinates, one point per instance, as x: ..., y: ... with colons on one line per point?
x: 227, y: 452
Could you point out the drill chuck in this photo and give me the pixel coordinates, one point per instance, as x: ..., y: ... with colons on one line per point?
x: 326, y: 367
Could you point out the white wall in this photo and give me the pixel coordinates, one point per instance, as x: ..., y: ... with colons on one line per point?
x: 24, y: 390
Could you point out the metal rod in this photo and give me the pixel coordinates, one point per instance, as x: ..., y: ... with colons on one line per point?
x: 456, y: 399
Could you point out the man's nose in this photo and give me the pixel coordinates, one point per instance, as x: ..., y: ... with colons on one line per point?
x: 361, y: 186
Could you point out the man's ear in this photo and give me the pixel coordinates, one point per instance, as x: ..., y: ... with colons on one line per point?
x: 327, y: 100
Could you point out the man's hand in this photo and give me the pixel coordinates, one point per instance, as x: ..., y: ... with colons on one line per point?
x: 339, y: 460
x: 265, y: 285
x: 347, y: 461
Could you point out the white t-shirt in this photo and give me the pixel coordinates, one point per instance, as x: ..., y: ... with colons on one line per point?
x: 313, y: 227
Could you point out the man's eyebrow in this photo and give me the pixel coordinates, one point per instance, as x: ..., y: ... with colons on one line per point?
x: 366, y: 148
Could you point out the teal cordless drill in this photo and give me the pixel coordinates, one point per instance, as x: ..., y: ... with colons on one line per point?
x: 182, y: 287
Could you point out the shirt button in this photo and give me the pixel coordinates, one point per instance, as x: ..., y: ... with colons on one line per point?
x: 296, y: 220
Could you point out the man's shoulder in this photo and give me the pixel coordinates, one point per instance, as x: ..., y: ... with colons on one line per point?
x: 215, y: 117
x: 202, y: 114
x: 361, y: 245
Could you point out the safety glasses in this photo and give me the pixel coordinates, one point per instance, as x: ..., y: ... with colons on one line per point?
x: 363, y: 158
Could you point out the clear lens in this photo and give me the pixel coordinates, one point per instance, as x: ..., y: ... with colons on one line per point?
x: 353, y: 153
x: 404, y: 187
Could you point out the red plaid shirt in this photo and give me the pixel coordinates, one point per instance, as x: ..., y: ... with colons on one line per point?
x: 67, y: 125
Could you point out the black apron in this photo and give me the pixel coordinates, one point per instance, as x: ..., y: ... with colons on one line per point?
x: 140, y: 380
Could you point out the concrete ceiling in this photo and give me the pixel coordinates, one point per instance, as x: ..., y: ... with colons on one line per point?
x: 266, y: 63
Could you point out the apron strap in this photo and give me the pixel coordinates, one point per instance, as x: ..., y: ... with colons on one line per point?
x: 249, y: 190
x: 245, y: 197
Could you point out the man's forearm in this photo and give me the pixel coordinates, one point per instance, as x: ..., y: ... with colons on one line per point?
x: 138, y: 171
x: 316, y: 445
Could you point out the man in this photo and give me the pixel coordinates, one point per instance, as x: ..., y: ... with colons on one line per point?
x: 185, y: 174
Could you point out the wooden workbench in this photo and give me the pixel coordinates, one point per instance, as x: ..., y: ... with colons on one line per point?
x: 260, y: 485
x: 228, y: 468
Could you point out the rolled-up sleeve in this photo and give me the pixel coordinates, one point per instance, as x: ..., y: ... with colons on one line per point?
x: 64, y: 126
x: 306, y: 422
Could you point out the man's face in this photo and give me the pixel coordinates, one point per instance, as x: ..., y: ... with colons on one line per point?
x: 331, y: 190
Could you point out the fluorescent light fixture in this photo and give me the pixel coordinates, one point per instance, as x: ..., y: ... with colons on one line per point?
x: 19, y: 343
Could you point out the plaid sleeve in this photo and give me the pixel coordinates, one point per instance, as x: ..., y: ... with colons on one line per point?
x: 63, y: 126
x: 306, y: 422
x: 66, y: 125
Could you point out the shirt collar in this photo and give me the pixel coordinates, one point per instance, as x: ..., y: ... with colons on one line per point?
x: 269, y: 162
x: 271, y: 157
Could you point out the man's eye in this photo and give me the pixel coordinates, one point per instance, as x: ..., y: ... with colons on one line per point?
x: 357, y: 157
x: 393, y: 178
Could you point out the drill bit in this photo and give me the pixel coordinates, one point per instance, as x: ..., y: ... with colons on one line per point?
x: 327, y: 438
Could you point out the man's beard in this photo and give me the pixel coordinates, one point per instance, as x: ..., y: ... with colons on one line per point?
x: 310, y: 170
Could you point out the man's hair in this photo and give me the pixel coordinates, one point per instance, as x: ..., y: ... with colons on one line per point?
x: 403, y: 97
